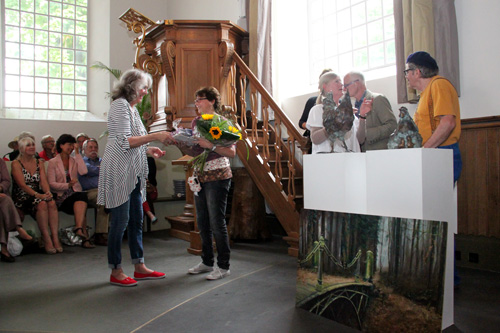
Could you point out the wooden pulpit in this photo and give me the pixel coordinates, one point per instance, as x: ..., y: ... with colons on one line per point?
x: 185, y: 55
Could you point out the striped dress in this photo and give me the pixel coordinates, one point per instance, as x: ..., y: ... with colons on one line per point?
x: 121, y: 165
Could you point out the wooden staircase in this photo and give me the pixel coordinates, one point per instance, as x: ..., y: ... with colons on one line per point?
x: 269, y: 148
x: 181, y: 55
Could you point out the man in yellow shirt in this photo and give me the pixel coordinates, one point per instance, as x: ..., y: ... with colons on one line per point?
x: 438, y: 113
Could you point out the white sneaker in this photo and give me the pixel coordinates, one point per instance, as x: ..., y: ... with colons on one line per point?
x: 200, y: 268
x: 218, y: 273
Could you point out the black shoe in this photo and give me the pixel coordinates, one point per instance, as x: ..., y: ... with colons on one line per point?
x: 5, y: 258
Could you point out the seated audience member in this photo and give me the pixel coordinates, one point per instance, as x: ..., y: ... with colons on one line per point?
x: 63, y: 173
x: 151, y: 191
x: 25, y: 134
x: 31, y: 194
x: 80, y: 139
x: 9, y: 218
x: 49, y: 148
x: 15, y: 149
x: 149, y: 213
x: 90, y: 182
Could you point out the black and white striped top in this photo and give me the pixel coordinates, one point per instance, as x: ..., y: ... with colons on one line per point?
x: 122, y: 165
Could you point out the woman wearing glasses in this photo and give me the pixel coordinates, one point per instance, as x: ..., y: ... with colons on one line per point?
x: 211, y: 199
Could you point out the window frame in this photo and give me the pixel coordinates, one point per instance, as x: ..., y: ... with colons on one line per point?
x: 75, y: 83
x: 344, y: 54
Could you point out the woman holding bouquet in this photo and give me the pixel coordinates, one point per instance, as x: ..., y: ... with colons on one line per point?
x: 211, y: 200
x: 123, y: 175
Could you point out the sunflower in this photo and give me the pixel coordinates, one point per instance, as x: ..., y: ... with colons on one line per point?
x: 207, y: 116
x: 215, y: 132
x: 233, y: 129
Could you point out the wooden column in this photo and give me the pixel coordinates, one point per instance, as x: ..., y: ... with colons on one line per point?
x: 183, y: 224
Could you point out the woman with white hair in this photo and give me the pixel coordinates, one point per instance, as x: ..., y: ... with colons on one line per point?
x: 123, y: 175
x: 329, y: 83
x: 31, y: 194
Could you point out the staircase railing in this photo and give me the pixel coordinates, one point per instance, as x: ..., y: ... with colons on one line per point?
x: 263, y: 136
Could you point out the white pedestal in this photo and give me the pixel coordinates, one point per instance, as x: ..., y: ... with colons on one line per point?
x: 408, y: 183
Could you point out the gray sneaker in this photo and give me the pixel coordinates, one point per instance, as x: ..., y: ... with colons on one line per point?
x: 200, y: 268
x: 218, y: 273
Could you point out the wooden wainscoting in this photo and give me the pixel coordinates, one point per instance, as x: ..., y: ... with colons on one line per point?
x: 479, y: 184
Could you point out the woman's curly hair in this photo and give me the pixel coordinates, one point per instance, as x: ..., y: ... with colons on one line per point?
x: 130, y: 83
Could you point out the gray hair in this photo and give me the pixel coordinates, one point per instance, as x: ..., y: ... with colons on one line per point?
x: 45, y: 137
x: 79, y: 135
x: 26, y: 134
x: 424, y: 71
x: 130, y: 83
x: 355, y: 75
x: 84, y: 146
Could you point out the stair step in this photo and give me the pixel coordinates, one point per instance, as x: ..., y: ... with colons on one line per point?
x: 181, y: 223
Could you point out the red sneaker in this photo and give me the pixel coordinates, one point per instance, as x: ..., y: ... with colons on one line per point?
x: 127, y: 282
x: 150, y: 276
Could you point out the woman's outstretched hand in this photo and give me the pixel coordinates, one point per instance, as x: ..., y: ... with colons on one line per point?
x: 155, y: 152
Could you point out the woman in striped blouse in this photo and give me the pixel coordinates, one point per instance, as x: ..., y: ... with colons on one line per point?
x: 123, y: 175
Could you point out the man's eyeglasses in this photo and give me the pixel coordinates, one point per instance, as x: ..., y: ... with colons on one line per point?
x: 199, y: 99
x: 407, y: 70
x: 347, y: 85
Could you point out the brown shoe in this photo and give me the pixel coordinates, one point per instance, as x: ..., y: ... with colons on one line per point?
x: 101, y: 239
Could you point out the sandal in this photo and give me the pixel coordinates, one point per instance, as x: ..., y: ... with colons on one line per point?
x: 82, y: 236
x: 87, y: 241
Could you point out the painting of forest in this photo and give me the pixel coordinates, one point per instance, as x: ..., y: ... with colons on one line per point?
x: 372, y: 273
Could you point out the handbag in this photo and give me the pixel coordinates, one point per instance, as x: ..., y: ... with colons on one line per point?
x: 14, y: 245
x: 68, y: 237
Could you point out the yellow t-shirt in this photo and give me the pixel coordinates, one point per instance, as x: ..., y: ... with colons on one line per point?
x: 445, y: 102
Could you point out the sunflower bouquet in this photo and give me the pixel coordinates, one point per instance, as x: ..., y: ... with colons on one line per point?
x: 216, y: 129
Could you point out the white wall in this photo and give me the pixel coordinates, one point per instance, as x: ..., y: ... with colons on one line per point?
x: 121, y: 44
x: 205, y: 10
x: 99, y: 37
x: 478, y: 48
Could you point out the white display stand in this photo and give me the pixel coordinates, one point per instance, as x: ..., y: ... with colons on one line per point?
x: 408, y: 183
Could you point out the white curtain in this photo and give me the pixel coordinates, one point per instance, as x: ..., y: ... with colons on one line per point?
x: 260, y: 44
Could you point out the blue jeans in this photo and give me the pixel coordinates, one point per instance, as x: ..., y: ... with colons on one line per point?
x: 457, y: 170
x: 457, y: 160
x: 128, y: 214
x: 211, y: 204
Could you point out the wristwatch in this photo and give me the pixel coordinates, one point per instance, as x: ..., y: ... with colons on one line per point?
x: 213, y: 148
